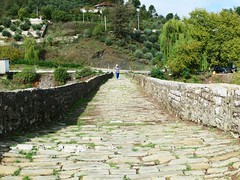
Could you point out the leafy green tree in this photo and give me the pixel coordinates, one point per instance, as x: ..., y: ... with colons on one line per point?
x: 169, y: 16
x: 59, y: 15
x: 172, y: 31
x: 31, y: 52
x: 6, y: 22
x: 152, y: 11
x: 23, y: 13
x: 120, y: 20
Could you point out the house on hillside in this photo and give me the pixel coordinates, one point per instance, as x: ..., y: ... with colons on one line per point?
x: 103, y: 5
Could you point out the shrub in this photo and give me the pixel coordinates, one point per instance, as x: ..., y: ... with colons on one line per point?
x: 25, y: 26
x: 10, y: 52
x: 108, y: 41
x: 143, y: 38
x: 145, y: 50
x: 17, y: 37
x: 84, y: 72
x: 149, y: 56
x: 6, y: 33
x: 157, y: 73
x: 138, y: 53
x: 121, y: 42
x: 87, y: 33
x: 153, y: 38
x: 148, y: 32
x: 13, y: 27
x: 133, y: 48
x: 6, y: 22
x: 28, y: 75
x: 156, y: 46
x: 61, y: 75
x: 98, y: 30
x: 148, y: 44
x: 17, y: 22
x: 1, y: 28
x: 36, y: 26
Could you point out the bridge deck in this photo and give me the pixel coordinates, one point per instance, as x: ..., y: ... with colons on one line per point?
x: 122, y: 134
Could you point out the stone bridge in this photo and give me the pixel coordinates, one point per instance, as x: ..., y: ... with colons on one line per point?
x: 121, y: 133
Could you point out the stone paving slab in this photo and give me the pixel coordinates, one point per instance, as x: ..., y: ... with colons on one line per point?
x: 122, y: 134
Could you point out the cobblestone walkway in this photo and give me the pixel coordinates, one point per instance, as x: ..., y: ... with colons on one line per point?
x: 122, y: 134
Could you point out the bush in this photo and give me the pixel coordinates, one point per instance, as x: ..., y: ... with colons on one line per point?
x: 157, y: 73
x: 13, y: 27
x: 28, y: 75
x: 36, y: 26
x: 6, y: 33
x: 108, y: 41
x: 24, y: 26
x: 148, y: 32
x: 1, y: 28
x: 87, y: 33
x: 143, y: 38
x: 145, y: 50
x: 6, y: 22
x: 138, y: 53
x: 156, y: 46
x: 148, y: 44
x: 84, y: 72
x: 133, y: 48
x: 121, y: 42
x: 149, y: 56
x: 98, y: 30
x: 11, y: 52
x: 17, y: 37
x: 61, y: 75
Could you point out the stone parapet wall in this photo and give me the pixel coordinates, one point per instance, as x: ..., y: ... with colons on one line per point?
x: 216, y: 105
x: 25, y: 109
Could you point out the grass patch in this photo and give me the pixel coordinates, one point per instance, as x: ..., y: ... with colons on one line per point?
x: 28, y: 155
x: 71, y: 142
x: 26, y: 178
x: 113, y: 165
x: 80, y: 134
x: 17, y: 172
x: 134, y: 149
x: 91, y: 145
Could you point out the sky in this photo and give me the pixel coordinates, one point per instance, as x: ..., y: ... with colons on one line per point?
x: 184, y: 7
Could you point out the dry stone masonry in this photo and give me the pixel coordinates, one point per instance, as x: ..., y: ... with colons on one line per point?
x: 216, y: 105
x: 22, y: 109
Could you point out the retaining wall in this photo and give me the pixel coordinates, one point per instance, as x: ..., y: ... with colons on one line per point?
x: 217, y: 105
x: 24, y: 109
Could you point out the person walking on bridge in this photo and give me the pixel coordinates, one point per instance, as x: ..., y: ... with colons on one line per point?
x: 117, y: 71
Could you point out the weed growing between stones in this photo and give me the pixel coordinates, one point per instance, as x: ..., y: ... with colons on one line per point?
x: 17, y: 172
x: 134, y: 149
x: 126, y: 178
x: 18, y: 161
x: 91, y: 145
x: 26, y: 178
x: 28, y: 155
x: 113, y: 165
x: 80, y: 134
x: 71, y: 142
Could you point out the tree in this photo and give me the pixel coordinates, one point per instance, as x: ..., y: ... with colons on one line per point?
x: 59, y: 15
x: 152, y: 11
x: 120, y: 20
x: 172, y: 31
x: 31, y: 52
x: 23, y: 13
x: 169, y: 16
